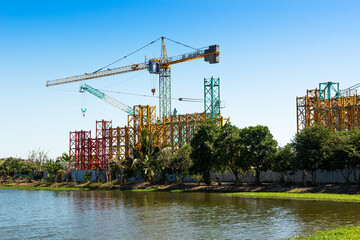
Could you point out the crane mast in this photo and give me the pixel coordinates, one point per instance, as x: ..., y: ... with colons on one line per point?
x: 164, y: 83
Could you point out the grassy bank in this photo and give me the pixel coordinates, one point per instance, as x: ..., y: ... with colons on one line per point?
x: 342, y: 232
x: 336, y: 193
x: 298, y: 196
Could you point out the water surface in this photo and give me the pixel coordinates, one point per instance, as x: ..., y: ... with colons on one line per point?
x: 31, y: 214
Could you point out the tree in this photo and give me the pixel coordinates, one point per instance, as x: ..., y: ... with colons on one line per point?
x: 312, y: 149
x: 259, y: 147
x: 145, y: 157
x: 39, y: 157
x: 66, y: 164
x: 229, y: 148
x: 15, y: 168
x: 203, y: 151
x: 55, y: 170
x: 162, y: 162
x: 282, y: 161
x: 181, y: 162
x: 353, y: 147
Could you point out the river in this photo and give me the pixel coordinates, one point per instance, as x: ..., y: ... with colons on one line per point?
x: 32, y: 214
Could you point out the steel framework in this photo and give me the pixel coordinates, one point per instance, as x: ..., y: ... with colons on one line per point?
x: 174, y: 131
x: 335, y: 111
x: 212, y: 98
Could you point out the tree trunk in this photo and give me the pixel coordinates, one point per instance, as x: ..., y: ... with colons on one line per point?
x: 207, y: 177
x: 303, y: 178
x: 346, y: 177
x: 313, y: 176
x: 108, y: 173
x: 282, y: 178
x: 236, y: 174
x: 354, y: 172
x: 257, y: 175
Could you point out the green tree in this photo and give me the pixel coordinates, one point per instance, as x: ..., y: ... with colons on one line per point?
x: 259, y: 147
x: 39, y: 157
x: 353, y: 148
x: 55, y: 170
x: 145, y: 157
x: 181, y: 162
x: 282, y: 161
x: 203, y: 150
x: 229, y: 148
x: 162, y: 162
x: 66, y: 164
x: 312, y: 149
x: 15, y: 168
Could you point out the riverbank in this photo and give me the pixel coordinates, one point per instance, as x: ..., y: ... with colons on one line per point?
x: 188, y: 187
x: 341, y: 232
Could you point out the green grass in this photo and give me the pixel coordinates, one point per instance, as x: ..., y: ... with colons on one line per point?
x: 298, y: 196
x: 342, y: 232
x: 150, y: 189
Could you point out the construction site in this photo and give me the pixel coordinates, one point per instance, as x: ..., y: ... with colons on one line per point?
x: 165, y: 126
x: 326, y: 105
x: 329, y: 106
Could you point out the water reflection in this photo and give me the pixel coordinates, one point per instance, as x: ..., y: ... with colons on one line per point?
x: 146, y: 215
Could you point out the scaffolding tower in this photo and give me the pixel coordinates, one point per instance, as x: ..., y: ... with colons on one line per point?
x: 212, y: 98
x: 94, y: 153
x: 328, y: 107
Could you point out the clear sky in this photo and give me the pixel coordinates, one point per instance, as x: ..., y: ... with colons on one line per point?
x: 271, y: 52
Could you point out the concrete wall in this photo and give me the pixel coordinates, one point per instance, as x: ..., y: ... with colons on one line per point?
x: 78, y: 175
x: 269, y: 177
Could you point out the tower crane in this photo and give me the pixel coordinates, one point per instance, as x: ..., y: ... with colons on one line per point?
x: 106, y: 98
x: 160, y: 66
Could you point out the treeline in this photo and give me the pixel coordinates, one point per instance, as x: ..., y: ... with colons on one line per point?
x: 252, y: 149
x: 34, y: 167
x: 216, y: 149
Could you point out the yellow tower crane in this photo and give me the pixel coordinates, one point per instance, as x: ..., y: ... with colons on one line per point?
x: 159, y: 66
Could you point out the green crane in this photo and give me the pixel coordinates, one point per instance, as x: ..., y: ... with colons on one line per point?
x: 107, y: 99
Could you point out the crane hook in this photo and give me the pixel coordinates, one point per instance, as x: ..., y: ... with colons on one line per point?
x: 153, y: 91
x: 83, y: 110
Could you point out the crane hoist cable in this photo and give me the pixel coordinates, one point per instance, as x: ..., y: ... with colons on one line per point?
x: 150, y: 96
x: 152, y: 42
x: 181, y: 44
x: 128, y: 55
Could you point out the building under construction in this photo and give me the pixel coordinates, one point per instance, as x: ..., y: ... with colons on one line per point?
x: 169, y: 129
x: 174, y: 131
x: 329, y: 106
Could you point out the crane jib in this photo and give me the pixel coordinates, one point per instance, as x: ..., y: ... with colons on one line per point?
x: 104, y: 73
x: 210, y: 55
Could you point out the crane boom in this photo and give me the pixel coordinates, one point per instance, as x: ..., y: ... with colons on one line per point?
x: 131, y: 68
x: 104, y: 73
x: 107, y: 98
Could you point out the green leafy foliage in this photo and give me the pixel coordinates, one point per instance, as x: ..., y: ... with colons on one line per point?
x: 87, y: 176
x: 229, y: 150
x: 312, y: 149
x: 258, y: 148
x: 148, y: 162
x: 181, y: 162
x: 340, y: 232
x: 203, y: 151
x: 283, y: 160
x: 14, y: 168
x: 55, y: 170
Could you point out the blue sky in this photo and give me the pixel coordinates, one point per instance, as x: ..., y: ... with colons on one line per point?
x: 271, y: 52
